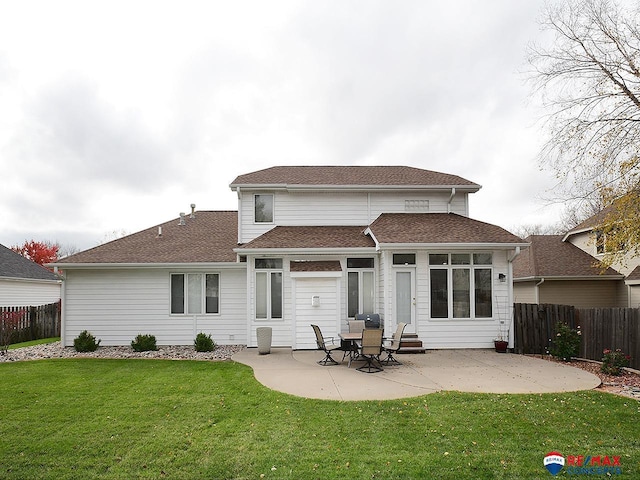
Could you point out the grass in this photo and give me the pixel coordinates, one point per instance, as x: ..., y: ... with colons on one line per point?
x: 123, y: 419
x: 34, y: 342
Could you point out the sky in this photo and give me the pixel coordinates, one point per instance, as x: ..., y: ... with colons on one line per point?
x: 116, y: 116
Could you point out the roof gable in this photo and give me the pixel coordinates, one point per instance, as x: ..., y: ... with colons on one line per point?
x: 549, y: 256
x: 14, y: 265
x: 209, y: 237
x: 434, y: 228
x: 351, y: 176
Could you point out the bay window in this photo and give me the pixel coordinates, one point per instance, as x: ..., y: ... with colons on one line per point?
x: 460, y: 285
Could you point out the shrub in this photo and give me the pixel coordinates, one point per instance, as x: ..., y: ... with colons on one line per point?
x: 613, y: 361
x: 144, y: 343
x: 566, y: 343
x: 85, y: 342
x: 204, y: 343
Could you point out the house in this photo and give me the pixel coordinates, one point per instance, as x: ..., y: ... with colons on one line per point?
x: 555, y: 271
x: 24, y: 283
x: 308, y: 244
x: 565, y: 269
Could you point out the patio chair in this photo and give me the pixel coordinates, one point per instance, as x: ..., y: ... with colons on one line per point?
x: 394, y: 346
x: 370, y: 350
x: 327, y: 349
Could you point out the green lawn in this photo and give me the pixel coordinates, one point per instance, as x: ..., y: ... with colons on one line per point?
x: 87, y: 418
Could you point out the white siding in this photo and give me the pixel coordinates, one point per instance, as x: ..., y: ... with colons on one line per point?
x: 338, y: 208
x: 117, y: 305
x: 26, y: 293
x: 326, y: 315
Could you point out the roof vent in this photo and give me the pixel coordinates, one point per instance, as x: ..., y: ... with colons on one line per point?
x: 193, y: 210
x: 159, y: 231
x: 181, y: 222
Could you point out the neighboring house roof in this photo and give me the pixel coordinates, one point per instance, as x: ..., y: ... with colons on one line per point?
x: 634, y: 276
x: 590, y: 223
x: 14, y: 265
x: 350, y: 176
x: 438, y: 228
x: 314, y: 237
x: 210, y: 237
x: 548, y: 256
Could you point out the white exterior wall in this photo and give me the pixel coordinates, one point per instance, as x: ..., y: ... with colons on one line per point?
x: 338, y: 208
x: 326, y: 315
x: 449, y: 333
x: 117, y: 305
x: 28, y: 293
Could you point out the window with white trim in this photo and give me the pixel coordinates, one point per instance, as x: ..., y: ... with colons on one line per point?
x: 360, y: 286
x: 263, y: 208
x: 460, y: 285
x: 268, y: 288
x: 195, y: 293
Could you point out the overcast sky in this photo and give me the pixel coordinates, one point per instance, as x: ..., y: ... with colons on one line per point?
x: 118, y: 115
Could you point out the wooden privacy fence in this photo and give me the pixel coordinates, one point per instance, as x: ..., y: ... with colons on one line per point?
x: 601, y: 328
x: 610, y: 328
x: 21, y: 324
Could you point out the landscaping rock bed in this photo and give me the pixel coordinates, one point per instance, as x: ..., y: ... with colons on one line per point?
x: 626, y: 384
x: 56, y: 350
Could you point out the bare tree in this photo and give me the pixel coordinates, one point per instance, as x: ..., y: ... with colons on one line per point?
x: 589, y: 79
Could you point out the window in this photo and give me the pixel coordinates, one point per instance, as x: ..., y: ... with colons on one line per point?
x: 460, y: 285
x: 360, y: 286
x: 195, y: 293
x: 268, y: 288
x: 404, y: 258
x: 263, y: 208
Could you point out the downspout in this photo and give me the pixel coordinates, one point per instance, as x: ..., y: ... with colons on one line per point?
x: 510, y: 260
x: 239, y: 216
x: 538, y: 290
x: 453, y: 194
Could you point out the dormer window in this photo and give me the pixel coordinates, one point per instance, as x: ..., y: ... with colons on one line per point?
x: 263, y: 208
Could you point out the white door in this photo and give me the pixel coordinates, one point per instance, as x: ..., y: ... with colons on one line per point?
x: 406, y: 298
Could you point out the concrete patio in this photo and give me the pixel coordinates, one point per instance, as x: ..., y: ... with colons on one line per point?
x: 297, y: 373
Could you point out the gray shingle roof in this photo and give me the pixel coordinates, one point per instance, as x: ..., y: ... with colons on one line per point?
x: 351, y: 176
x: 208, y: 238
x: 14, y: 265
x: 549, y: 256
x: 312, y: 237
x: 430, y: 228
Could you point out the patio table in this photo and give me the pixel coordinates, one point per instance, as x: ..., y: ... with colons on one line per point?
x: 351, y: 339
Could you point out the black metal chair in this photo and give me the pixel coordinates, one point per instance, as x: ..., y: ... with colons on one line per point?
x: 370, y: 350
x: 394, y: 346
x: 327, y: 349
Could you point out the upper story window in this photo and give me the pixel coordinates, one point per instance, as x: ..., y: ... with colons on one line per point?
x: 263, y: 208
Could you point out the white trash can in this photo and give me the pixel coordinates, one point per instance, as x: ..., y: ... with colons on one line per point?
x: 263, y: 335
